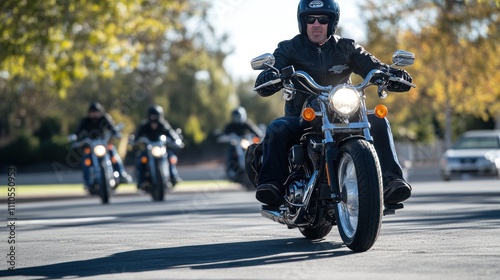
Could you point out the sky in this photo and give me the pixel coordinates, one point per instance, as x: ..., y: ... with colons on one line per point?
x: 256, y: 27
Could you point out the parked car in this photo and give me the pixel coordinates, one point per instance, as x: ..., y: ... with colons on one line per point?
x: 476, y: 152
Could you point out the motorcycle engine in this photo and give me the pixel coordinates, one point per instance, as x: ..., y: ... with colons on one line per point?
x: 296, y: 191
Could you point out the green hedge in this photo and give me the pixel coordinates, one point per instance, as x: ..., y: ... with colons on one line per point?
x: 26, y: 150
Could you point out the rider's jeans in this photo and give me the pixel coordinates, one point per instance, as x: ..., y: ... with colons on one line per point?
x: 140, y: 168
x: 284, y: 132
x: 86, y: 172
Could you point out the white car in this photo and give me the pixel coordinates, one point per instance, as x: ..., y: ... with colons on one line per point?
x: 476, y: 152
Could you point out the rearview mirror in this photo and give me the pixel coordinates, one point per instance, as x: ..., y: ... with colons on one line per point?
x: 119, y: 126
x: 72, y: 138
x: 261, y: 62
x: 403, y: 58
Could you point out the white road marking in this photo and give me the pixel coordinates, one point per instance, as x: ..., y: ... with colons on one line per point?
x: 65, y: 221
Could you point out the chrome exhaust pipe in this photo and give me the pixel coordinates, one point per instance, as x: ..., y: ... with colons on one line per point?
x: 274, y: 216
x: 296, y: 219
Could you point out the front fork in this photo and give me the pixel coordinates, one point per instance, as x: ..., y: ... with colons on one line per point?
x: 331, y: 154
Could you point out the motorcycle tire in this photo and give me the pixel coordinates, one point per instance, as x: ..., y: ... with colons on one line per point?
x: 359, y: 213
x: 242, y: 179
x: 314, y: 233
x: 104, y: 186
x: 158, y: 190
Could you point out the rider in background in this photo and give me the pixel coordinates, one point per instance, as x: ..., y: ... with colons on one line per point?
x: 94, y: 126
x: 152, y: 128
x: 330, y: 60
x: 240, y: 126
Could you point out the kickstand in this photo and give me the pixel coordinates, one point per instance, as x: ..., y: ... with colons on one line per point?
x: 390, y: 209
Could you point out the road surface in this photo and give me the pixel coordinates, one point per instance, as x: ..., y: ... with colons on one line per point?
x: 448, y: 230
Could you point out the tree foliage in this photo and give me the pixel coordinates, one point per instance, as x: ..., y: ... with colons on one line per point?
x: 58, y: 56
x: 55, y: 42
x: 457, y: 47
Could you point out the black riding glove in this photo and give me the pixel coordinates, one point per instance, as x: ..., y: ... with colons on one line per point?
x: 397, y: 86
x: 264, y: 77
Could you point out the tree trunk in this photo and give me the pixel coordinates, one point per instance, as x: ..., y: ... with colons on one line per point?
x: 497, y: 121
x: 448, y: 127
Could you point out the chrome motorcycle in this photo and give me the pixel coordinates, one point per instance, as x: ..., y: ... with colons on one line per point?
x: 157, y: 165
x: 97, y: 164
x: 235, y: 162
x: 335, y: 175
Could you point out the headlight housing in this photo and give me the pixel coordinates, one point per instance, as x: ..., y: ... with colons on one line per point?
x: 100, y: 150
x: 344, y: 100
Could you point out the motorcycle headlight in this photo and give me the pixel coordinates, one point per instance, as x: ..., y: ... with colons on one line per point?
x: 157, y: 151
x: 100, y: 150
x: 244, y: 143
x: 344, y: 100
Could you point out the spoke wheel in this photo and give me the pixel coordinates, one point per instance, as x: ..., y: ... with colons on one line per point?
x: 359, y: 213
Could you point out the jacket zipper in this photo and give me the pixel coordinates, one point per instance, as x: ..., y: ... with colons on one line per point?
x: 321, y: 64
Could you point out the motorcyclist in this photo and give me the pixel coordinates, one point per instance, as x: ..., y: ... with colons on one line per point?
x: 241, y: 126
x: 93, y: 126
x: 330, y: 60
x: 152, y: 128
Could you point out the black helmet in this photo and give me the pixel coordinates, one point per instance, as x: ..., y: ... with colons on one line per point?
x: 155, y: 113
x: 329, y: 8
x: 239, y: 115
x: 96, y: 107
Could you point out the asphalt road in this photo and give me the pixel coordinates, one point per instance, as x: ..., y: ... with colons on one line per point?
x: 448, y: 230
x: 208, y: 171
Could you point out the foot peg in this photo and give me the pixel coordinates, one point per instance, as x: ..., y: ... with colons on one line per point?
x: 390, y: 209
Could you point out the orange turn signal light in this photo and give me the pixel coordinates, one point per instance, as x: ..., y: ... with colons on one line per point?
x: 86, y: 150
x: 308, y: 114
x: 381, y: 111
x: 87, y: 162
x: 255, y: 139
x: 173, y: 160
x: 113, y: 160
x: 144, y: 160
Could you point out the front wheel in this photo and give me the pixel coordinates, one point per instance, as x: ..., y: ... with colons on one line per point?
x: 359, y: 213
x: 158, y: 189
x: 104, y: 186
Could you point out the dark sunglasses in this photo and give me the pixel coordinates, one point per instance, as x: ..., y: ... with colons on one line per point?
x: 321, y: 20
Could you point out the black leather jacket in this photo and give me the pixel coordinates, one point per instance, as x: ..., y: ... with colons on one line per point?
x: 329, y: 64
x: 164, y: 128
x: 95, y: 128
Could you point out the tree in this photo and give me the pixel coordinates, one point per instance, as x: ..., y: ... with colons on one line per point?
x: 126, y: 54
x: 53, y: 43
x: 457, y: 46
x: 48, y: 46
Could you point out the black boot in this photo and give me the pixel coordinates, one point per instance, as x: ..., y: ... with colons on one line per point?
x: 269, y: 194
x: 398, y: 190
